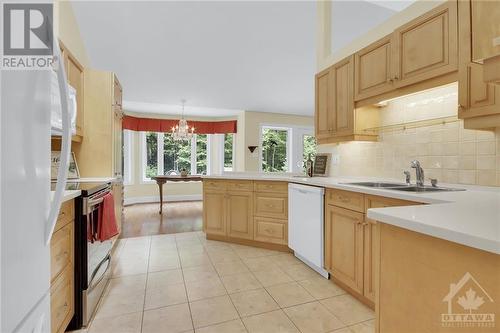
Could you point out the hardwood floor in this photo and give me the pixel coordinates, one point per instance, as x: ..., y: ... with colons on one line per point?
x: 144, y: 220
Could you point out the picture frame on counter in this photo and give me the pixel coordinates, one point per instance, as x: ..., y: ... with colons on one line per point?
x: 55, y: 159
x: 321, y: 165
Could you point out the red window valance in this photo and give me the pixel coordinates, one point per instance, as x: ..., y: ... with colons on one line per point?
x: 165, y: 125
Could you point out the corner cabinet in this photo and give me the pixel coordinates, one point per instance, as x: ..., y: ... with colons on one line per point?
x: 246, y: 212
x: 336, y: 118
x: 479, y: 102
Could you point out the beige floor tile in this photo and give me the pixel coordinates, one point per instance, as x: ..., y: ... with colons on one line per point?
x: 230, y: 267
x: 157, y: 280
x: 321, y: 288
x: 259, y: 264
x: 253, y: 252
x: 195, y: 259
x: 171, y: 319
x: 253, y: 302
x: 212, y: 311
x: 272, y: 276
x: 130, y: 267
x: 289, y: 294
x: 165, y: 296
x: 204, y: 289
x: 216, y: 245
x: 240, y: 282
x: 120, y: 303
x: 223, y: 256
x: 128, y: 323
x: 163, y: 262
x: 300, y: 272
x: 270, y: 322
x: 284, y: 260
x: 234, y: 326
x: 197, y: 273
x: 349, y: 310
x: 129, y: 283
x: 313, y: 317
x: 364, y: 327
x: 198, y: 249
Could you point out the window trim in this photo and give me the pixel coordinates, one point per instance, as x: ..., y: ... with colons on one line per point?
x: 128, y: 147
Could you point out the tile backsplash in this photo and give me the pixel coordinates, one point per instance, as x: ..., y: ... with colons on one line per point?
x: 447, y: 152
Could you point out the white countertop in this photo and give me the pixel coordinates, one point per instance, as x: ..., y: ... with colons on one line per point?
x: 68, y: 195
x: 470, y: 217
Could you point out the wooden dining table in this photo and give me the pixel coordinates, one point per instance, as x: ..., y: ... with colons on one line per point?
x: 162, y: 179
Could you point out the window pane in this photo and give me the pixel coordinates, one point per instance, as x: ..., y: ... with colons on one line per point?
x: 201, y: 154
x: 228, y: 152
x: 151, y: 154
x: 309, y: 148
x: 274, y: 143
x: 176, y: 154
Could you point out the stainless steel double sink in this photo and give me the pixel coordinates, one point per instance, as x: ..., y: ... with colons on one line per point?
x: 404, y: 187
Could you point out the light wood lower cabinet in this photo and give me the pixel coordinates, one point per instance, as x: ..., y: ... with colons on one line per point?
x: 344, y: 231
x: 214, y: 213
x: 239, y: 214
x: 62, y: 269
x: 351, y: 240
x: 248, y: 212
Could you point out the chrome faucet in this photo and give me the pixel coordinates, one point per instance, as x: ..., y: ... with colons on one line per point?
x: 419, y: 171
x: 407, y: 177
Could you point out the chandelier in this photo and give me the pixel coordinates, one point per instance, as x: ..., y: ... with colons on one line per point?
x: 182, y: 131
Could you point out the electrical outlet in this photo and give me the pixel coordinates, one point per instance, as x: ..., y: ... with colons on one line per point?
x: 335, y: 159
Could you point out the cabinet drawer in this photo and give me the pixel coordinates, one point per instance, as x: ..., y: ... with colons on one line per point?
x: 66, y: 214
x: 271, y: 205
x: 214, y: 185
x: 269, y: 186
x: 61, y: 300
x: 61, y: 250
x: 271, y: 230
x: 240, y: 185
x: 345, y: 199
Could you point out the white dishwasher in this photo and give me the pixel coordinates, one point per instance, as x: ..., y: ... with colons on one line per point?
x: 305, y: 225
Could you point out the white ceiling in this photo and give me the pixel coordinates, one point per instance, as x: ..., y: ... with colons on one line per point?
x: 255, y: 55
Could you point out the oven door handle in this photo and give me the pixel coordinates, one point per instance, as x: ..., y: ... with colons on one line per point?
x: 91, y: 284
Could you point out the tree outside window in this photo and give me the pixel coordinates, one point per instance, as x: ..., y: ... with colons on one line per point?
x: 151, y: 154
x: 201, y: 154
x: 228, y: 151
x: 176, y: 154
x: 309, y: 148
x: 274, y: 150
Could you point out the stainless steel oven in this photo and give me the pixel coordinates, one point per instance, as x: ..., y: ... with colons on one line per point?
x: 92, y: 257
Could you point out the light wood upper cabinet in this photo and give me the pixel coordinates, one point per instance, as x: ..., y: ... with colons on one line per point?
x: 239, y: 214
x: 214, y: 213
x: 336, y: 118
x: 344, y: 234
x: 373, y: 69
x: 324, y: 117
x: 427, y: 47
x: 485, y: 28
x: 479, y: 102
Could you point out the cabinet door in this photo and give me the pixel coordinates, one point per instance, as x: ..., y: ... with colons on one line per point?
x: 475, y: 97
x: 75, y: 79
x: 324, y: 118
x: 373, y: 71
x: 62, y: 300
x: 370, y: 244
x: 214, y: 219
x: 427, y: 47
x: 485, y: 29
x: 239, y: 214
x: 344, y: 246
x: 117, y: 142
x: 343, y: 97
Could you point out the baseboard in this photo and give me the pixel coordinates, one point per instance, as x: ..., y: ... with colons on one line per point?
x: 166, y: 198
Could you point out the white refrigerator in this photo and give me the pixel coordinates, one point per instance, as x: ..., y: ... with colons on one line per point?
x: 28, y: 211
